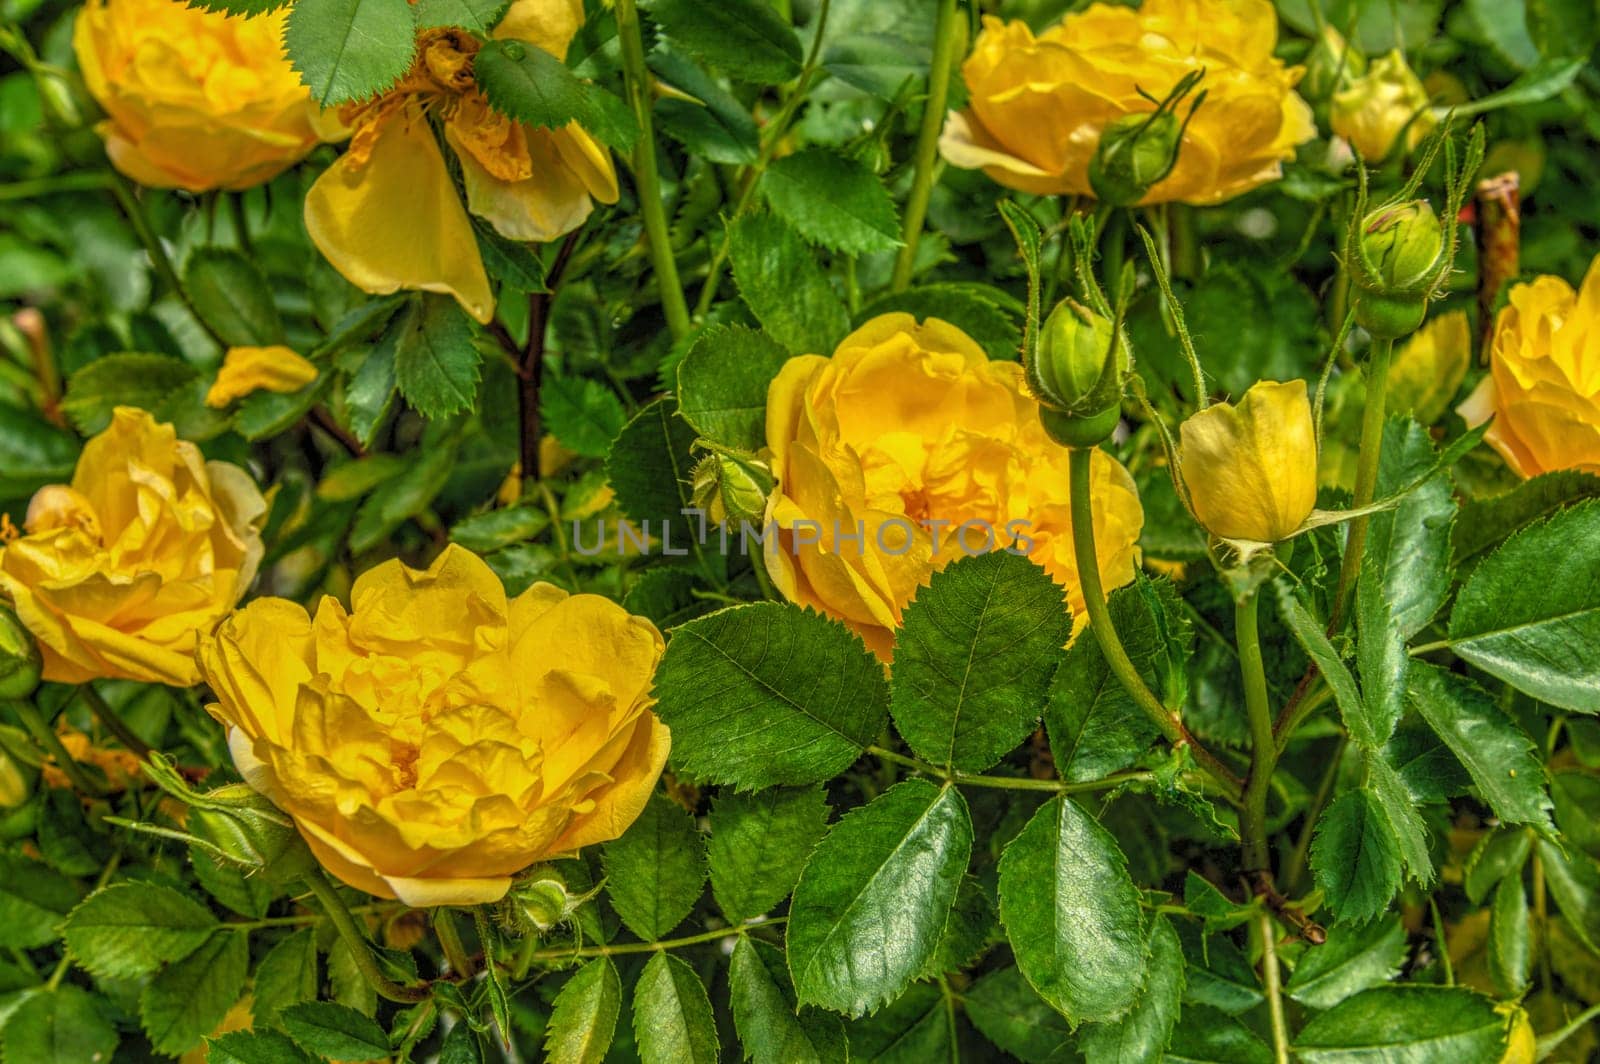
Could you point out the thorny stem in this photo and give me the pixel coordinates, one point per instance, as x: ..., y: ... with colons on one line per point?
x: 1366, y: 473
x: 360, y: 948
x: 927, y: 153
x: 450, y: 944
x: 1263, y: 748
x: 657, y: 946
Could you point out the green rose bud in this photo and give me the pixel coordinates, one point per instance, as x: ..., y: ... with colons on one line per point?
x: 1331, y: 65
x: 1076, y: 374
x: 731, y: 487
x: 244, y: 827
x: 1399, y: 258
x: 20, y: 664
x: 543, y: 901
x: 1135, y: 152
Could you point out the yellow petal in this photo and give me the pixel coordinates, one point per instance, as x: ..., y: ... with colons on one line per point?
x: 550, y: 24
x: 249, y: 369
x: 549, y: 204
x: 1251, y: 470
x: 390, y: 219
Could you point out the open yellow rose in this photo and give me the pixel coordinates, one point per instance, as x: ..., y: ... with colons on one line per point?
x: 1543, y: 387
x: 1251, y: 470
x: 911, y: 441
x: 387, y: 215
x: 1038, y: 105
x: 150, y: 545
x: 194, y: 99
x: 436, y: 738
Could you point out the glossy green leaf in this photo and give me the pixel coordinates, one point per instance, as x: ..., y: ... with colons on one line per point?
x: 479, y: 16
x: 1500, y: 853
x: 672, y: 1018
x: 745, y: 39
x: 349, y: 49
x: 785, y: 289
x: 723, y: 382
x: 584, y: 1019
x: 1574, y: 882
x: 1577, y: 801
x: 286, y: 975
x: 770, y: 1026
x: 759, y: 843
x: 1406, y: 1025
x: 1509, y: 933
x: 144, y: 381
x: 1408, y: 548
x: 1399, y: 807
x: 33, y: 452
x: 132, y: 929
x: 59, y: 1025
x: 654, y: 872
x: 435, y: 357
x: 524, y: 82
x: 832, y: 200
x: 1142, y: 1034
x: 1013, y: 1016
x: 335, y: 1031
x: 1355, y: 857
x: 1355, y: 957
x: 581, y: 412
x: 33, y: 899
x: 260, y: 1046
x: 1209, y: 1037
x: 918, y: 1027
x: 187, y: 1000
x: 649, y: 465
x: 232, y: 297
x: 1359, y: 718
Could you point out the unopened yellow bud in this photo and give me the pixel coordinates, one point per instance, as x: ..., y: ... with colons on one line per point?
x: 1374, y: 110
x: 1251, y: 470
x: 1331, y: 66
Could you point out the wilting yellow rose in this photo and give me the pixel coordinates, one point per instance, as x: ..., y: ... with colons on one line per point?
x: 1037, y: 105
x: 150, y: 545
x: 1371, y: 111
x: 387, y: 215
x: 250, y: 369
x: 908, y: 432
x: 1251, y: 469
x: 194, y: 99
x: 436, y: 738
x: 1543, y: 387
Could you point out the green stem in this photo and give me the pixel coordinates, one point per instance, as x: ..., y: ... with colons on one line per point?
x: 1550, y: 1042
x: 50, y: 186
x: 1009, y: 783
x: 1263, y: 748
x: 1441, y: 942
x: 927, y: 153
x: 646, y: 172
x: 112, y: 721
x: 360, y: 948
x: 1272, y: 978
x: 1366, y: 473
x: 47, y: 738
x: 159, y: 259
x: 1094, y: 597
x: 658, y: 946
x: 455, y: 951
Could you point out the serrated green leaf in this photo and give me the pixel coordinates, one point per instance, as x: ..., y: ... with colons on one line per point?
x: 33, y: 899
x: 335, y: 1031
x: 1209, y: 1037
x: 1217, y: 910
x: 715, y: 125
x: 1500, y: 853
x: 584, y: 414
x: 1406, y: 1024
x: 916, y: 1028
x: 649, y: 464
x: 832, y: 200
x: 132, y: 929
x: 1355, y: 957
x: 1485, y: 523
x: 1577, y: 801
x: 1358, y: 716
x: 524, y: 82
x: 655, y: 870
x: 1406, y: 826
x: 805, y: 696
x: 966, y: 933
x: 746, y: 39
x: 241, y: 7
x: 783, y: 286
x: 405, y: 496
x: 232, y: 297
x: 435, y: 357
x: 1408, y: 548
x: 668, y: 596
x: 1355, y: 857
x: 1073, y: 915
x: 349, y: 49
x: 286, y: 976
x: 1574, y: 882
x: 1501, y: 759
x: 1220, y: 976
x: 1143, y: 1033
x: 759, y: 843
x: 873, y: 899
x: 59, y: 1025
x: 264, y: 1046
x: 144, y: 381
x: 672, y: 1018
x: 493, y: 529
x: 989, y: 315
x: 1509, y: 933
x: 1012, y: 1015
x: 584, y: 1018
x: 187, y: 1000
x: 723, y: 381
x: 479, y: 16
x: 772, y: 1029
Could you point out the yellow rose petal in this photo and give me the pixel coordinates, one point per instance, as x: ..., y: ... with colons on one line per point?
x: 1251, y: 469
x: 250, y: 369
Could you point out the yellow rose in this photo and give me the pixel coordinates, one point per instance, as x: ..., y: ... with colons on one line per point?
x: 150, y: 545
x: 906, y: 434
x: 250, y: 369
x: 528, y: 183
x: 1251, y: 470
x: 194, y: 99
x: 1543, y: 387
x: 1038, y: 105
x: 1371, y: 111
x: 436, y: 738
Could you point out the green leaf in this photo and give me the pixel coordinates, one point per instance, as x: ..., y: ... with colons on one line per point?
x: 974, y: 656
x: 263, y: 413
x: 1408, y: 548
x: 1500, y: 853
x: 803, y: 695
x: 585, y: 1014
x: 1539, y: 82
x: 33, y: 899
x: 349, y: 49
x: 873, y: 899
x: 1209, y: 1037
x: 1577, y: 801
x: 59, y: 1025
x: 785, y: 289
x: 1485, y: 523
x: 479, y: 16
x: 286, y: 976
x: 649, y: 464
x: 263, y: 1046
x: 132, y: 929
x: 987, y: 314
x: 1399, y: 806
x: 1142, y: 1034
x: 770, y: 1026
x: 524, y: 82
x: 1501, y: 759
x: 715, y: 125
x: 1073, y: 915
x: 583, y: 413
x: 1216, y: 909
x: 1355, y: 957
x: 1012, y: 1015
x: 1406, y: 1024
x: 232, y: 296
x: 918, y: 1027
x: 746, y: 39
x: 966, y: 933
x: 184, y: 1003
x: 672, y: 1018
x: 1574, y: 881
x: 654, y: 872
x: 1220, y: 976
x: 759, y: 843
x: 33, y: 453
x: 1530, y: 613
x: 1355, y: 857
x: 494, y: 529
x: 233, y: 886
x: 832, y: 200
x: 1508, y: 938
x: 407, y: 495
x: 144, y: 381
x: 723, y: 381
x: 1368, y: 733
x: 435, y: 359
x: 369, y: 392
x: 335, y: 1031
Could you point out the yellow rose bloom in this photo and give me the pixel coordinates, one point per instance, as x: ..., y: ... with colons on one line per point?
x: 250, y: 369
x: 1038, y: 105
x: 1373, y: 110
x: 387, y: 215
x: 1543, y: 387
x: 436, y: 738
x: 884, y: 451
x: 149, y: 545
x: 194, y: 99
x: 1251, y: 470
